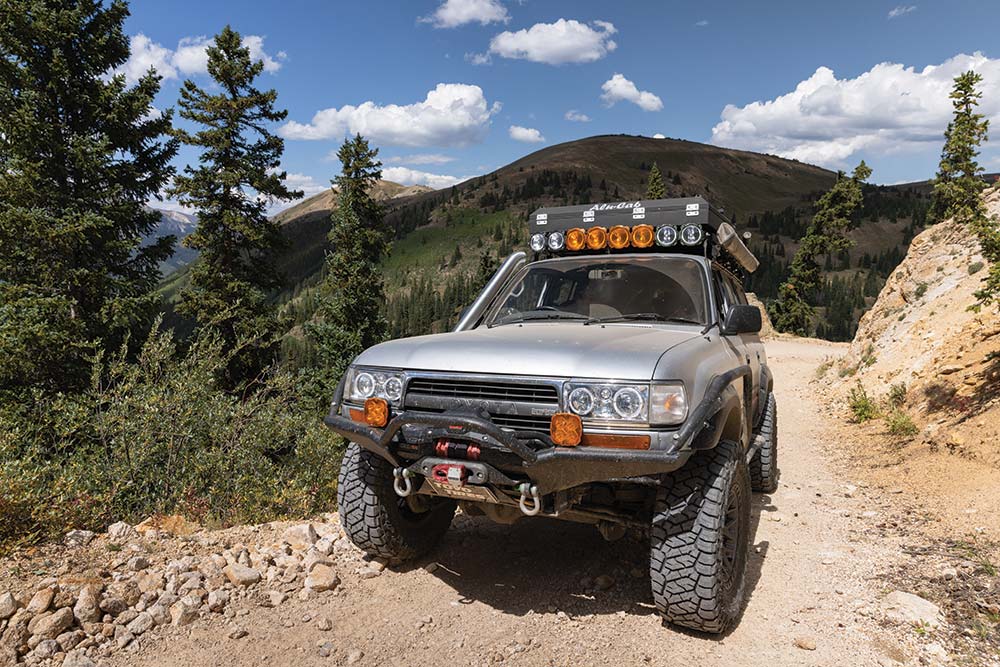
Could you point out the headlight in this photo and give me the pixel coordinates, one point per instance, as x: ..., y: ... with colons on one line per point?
x: 365, y: 383
x: 608, y: 402
x: 667, y: 404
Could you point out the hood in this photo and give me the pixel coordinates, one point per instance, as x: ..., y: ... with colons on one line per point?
x: 567, y: 350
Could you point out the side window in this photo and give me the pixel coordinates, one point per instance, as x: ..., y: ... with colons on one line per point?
x: 724, y: 293
x: 737, y: 290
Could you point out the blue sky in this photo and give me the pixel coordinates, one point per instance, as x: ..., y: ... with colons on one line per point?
x: 828, y: 83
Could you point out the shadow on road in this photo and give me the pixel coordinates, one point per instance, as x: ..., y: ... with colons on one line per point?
x: 545, y: 566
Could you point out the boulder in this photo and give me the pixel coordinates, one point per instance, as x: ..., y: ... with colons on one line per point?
x: 911, y: 609
x: 301, y: 537
x: 217, y: 601
x: 8, y: 605
x: 185, y: 611
x: 160, y: 614
x: 241, y: 575
x: 121, y: 532
x: 77, y: 659
x: 141, y: 623
x: 52, y: 625
x: 46, y: 649
x: 79, y: 538
x: 88, y: 605
x: 41, y: 600
x: 322, y: 578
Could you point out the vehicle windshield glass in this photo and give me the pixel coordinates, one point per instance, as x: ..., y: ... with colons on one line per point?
x: 588, y: 289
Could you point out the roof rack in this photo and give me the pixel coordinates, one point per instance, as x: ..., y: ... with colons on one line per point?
x: 687, y: 225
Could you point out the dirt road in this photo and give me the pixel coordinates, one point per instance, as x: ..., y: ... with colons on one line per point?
x: 526, y: 594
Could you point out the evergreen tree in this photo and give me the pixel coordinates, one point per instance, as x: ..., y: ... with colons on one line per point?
x: 826, y: 233
x: 349, y: 317
x: 655, y: 188
x: 80, y: 154
x: 236, y: 179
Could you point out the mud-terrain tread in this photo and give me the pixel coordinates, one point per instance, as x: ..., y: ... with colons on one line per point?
x: 370, y: 513
x: 764, y: 464
x: 686, y: 541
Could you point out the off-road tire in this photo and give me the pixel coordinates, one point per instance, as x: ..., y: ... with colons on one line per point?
x: 377, y: 520
x: 764, y: 464
x: 699, y: 540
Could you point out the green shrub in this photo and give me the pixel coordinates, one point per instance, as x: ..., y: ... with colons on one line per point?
x: 901, y: 424
x: 897, y: 394
x: 975, y: 268
x: 921, y: 290
x: 863, y: 408
x: 158, y: 434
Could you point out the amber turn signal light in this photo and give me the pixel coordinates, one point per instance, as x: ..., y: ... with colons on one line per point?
x: 376, y: 412
x: 566, y: 429
x: 576, y: 239
x: 616, y: 441
x: 618, y: 237
x: 642, y: 236
x: 597, y: 238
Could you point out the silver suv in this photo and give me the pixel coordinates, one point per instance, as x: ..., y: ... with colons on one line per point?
x: 618, y: 378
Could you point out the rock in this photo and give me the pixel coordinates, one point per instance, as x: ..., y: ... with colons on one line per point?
x: 126, y: 617
x: 238, y: 633
x: 949, y: 573
x: 160, y: 614
x: 604, y: 582
x: 121, y: 532
x: 276, y: 598
x: 217, y: 601
x: 326, y: 649
x: 301, y: 537
x: 324, y: 624
x: 114, y: 605
x: 325, y: 545
x: 314, y: 558
x: 354, y: 657
x: 47, y: 649
x: 127, y: 590
x: 241, y: 575
x: 911, y: 609
x: 69, y: 640
x: 53, y: 625
x: 149, y: 581
x: 41, y: 600
x: 79, y: 538
x: 137, y: 563
x: 8, y: 605
x: 949, y: 369
x: 368, y: 573
x: 805, y: 643
x: 141, y: 623
x: 78, y: 659
x: 8, y: 656
x: 184, y: 611
x: 322, y: 578
x: 64, y: 598
x: 123, y: 637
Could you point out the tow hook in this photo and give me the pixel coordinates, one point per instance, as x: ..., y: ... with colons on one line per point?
x: 402, y: 483
x: 536, y: 507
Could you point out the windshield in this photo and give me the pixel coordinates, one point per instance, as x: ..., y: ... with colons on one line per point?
x: 607, y: 289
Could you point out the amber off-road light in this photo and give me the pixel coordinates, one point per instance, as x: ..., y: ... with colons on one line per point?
x: 618, y: 237
x: 642, y: 236
x: 376, y: 412
x: 566, y: 429
x: 576, y: 239
x: 597, y: 238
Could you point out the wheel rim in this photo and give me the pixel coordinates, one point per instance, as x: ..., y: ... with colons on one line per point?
x: 733, y: 537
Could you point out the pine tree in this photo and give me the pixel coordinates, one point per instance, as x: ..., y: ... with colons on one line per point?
x: 231, y: 188
x: 80, y: 155
x: 655, y: 188
x: 349, y: 317
x: 826, y: 233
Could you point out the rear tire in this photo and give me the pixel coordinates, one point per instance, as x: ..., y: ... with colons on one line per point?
x: 699, y: 541
x: 377, y: 520
x: 764, y: 464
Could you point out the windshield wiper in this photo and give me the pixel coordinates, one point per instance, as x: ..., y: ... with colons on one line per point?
x: 641, y: 317
x: 540, y: 316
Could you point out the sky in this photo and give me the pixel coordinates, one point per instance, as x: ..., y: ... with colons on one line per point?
x: 448, y: 89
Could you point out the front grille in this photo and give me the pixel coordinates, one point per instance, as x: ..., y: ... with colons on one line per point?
x: 485, y: 391
x: 519, y: 406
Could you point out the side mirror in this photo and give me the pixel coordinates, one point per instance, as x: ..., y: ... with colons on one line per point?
x: 742, y: 319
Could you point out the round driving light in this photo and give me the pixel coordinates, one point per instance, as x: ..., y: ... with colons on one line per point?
x: 538, y: 242
x: 581, y: 401
x: 556, y: 241
x: 692, y: 234
x: 666, y: 235
x: 394, y: 389
x: 576, y: 239
x: 597, y: 238
x: 642, y: 236
x: 618, y: 237
x: 364, y: 385
x: 628, y: 403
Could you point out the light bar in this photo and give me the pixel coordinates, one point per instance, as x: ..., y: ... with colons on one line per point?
x: 621, y: 237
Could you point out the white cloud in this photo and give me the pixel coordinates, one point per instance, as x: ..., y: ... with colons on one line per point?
x: 702, y: 23
x: 453, y: 114
x: 576, y: 116
x: 618, y: 88
x: 190, y: 57
x: 901, y: 10
x: 890, y: 108
x: 659, y: 136
x: 309, y: 185
x: 478, y: 58
x: 528, y: 135
x: 407, y: 176
x: 453, y: 13
x: 557, y: 43
x: 421, y: 158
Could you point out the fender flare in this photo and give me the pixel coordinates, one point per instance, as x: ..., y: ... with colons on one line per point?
x: 726, y: 423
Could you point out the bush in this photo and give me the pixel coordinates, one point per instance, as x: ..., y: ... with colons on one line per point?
x: 160, y: 435
x: 921, y: 290
x: 863, y: 408
x: 897, y: 395
x: 901, y: 424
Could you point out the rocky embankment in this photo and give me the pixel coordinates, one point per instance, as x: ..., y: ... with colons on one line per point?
x: 112, y: 592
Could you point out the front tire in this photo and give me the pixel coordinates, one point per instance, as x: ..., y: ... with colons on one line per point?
x: 699, y: 541
x: 377, y: 520
x: 764, y: 464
